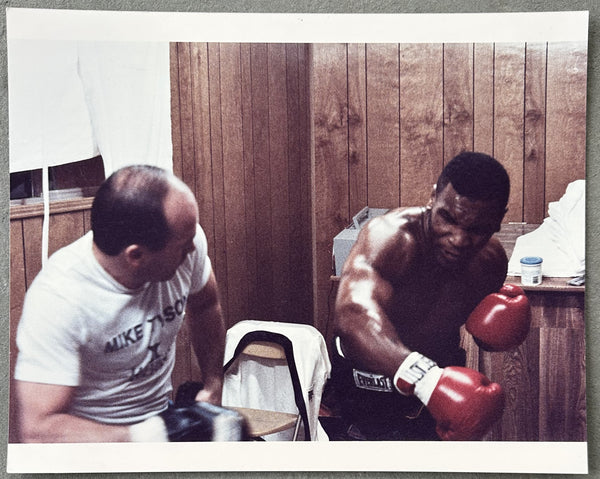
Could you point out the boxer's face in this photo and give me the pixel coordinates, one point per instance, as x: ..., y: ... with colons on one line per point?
x: 461, y: 227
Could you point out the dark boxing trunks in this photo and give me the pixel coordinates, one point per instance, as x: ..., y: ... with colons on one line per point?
x: 370, y: 403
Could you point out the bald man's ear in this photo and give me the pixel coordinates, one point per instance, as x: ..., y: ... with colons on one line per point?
x: 134, y: 255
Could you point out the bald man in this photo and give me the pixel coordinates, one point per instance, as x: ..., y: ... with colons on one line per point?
x: 97, y: 335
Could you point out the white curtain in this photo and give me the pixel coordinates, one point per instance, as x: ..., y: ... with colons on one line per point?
x: 70, y: 101
x: 49, y: 123
x: 127, y: 91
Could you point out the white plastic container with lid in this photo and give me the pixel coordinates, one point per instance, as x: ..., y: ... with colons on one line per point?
x: 531, y: 270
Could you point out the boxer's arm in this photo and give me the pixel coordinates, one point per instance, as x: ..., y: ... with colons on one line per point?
x: 42, y: 417
x: 207, y: 330
x: 368, y: 337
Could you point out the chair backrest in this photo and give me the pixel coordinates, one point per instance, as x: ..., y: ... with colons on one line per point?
x: 265, y: 349
x: 269, y: 344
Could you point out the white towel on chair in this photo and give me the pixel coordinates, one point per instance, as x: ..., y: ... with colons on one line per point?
x: 269, y: 387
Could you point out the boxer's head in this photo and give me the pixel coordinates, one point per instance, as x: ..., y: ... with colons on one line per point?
x: 467, y: 206
x: 477, y: 176
x: 143, y: 210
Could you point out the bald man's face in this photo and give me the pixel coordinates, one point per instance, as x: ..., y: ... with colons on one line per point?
x: 181, y: 212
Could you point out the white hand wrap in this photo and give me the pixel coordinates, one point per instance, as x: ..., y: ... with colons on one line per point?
x: 151, y: 430
x: 421, y: 373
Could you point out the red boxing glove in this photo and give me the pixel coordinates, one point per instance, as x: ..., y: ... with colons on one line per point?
x: 502, y: 320
x: 464, y: 403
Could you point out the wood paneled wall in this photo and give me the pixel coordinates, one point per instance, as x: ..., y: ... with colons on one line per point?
x: 386, y: 118
x: 241, y: 142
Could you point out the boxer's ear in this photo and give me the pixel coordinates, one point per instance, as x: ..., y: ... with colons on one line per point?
x: 432, y: 197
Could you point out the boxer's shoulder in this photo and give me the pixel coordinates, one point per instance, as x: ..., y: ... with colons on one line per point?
x: 489, y: 267
x: 396, y: 230
x: 492, y: 255
x: 392, y: 241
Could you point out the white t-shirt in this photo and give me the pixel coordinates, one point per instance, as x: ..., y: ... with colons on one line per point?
x: 82, y: 328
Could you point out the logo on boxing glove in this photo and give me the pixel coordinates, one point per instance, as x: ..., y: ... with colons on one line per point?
x: 464, y: 403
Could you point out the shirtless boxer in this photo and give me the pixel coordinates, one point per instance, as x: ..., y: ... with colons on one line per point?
x: 411, y: 280
x: 97, y: 335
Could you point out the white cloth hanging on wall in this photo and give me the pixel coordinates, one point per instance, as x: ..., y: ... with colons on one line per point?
x: 70, y: 101
x: 49, y: 123
x: 560, y: 239
x: 128, y: 93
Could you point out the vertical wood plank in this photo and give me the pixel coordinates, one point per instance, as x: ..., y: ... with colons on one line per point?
x: 18, y: 286
x: 562, y: 394
x: 421, y: 121
x: 262, y: 180
x: 330, y: 164
x: 64, y: 228
x: 357, y: 128
x: 508, y: 120
x: 200, y: 138
x: 299, y: 290
x: 517, y: 371
x: 294, y: 249
x: 483, y: 98
x: 534, y: 156
x: 470, y: 347
x: 175, y: 114
x: 32, y: 245
x: 560, y: 319
x: 383, y: 133
x: 304, y: 125
x: 18, y: 280
x: 185, y: 167
x: 233, y: 177
x: 566, y: 110
x: 216, y: 148
x: 458, y: 99
x: 87, y: 221
x: 250, y: 274
x: 279, y: 170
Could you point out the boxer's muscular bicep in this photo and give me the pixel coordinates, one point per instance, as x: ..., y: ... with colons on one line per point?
x: 367, y: 335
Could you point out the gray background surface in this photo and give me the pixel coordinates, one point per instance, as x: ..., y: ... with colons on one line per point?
x: 324, y: 6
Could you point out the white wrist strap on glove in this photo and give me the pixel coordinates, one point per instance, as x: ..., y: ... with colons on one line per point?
x: 421, y: 372
x: 151, y: 430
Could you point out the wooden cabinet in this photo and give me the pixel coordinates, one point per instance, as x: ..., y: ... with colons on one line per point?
x: 544, y: 378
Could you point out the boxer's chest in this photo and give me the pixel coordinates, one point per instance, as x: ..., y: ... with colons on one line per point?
x: 428, y: 310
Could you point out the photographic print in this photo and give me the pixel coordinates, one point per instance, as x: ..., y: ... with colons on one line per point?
x: 294, y: 131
